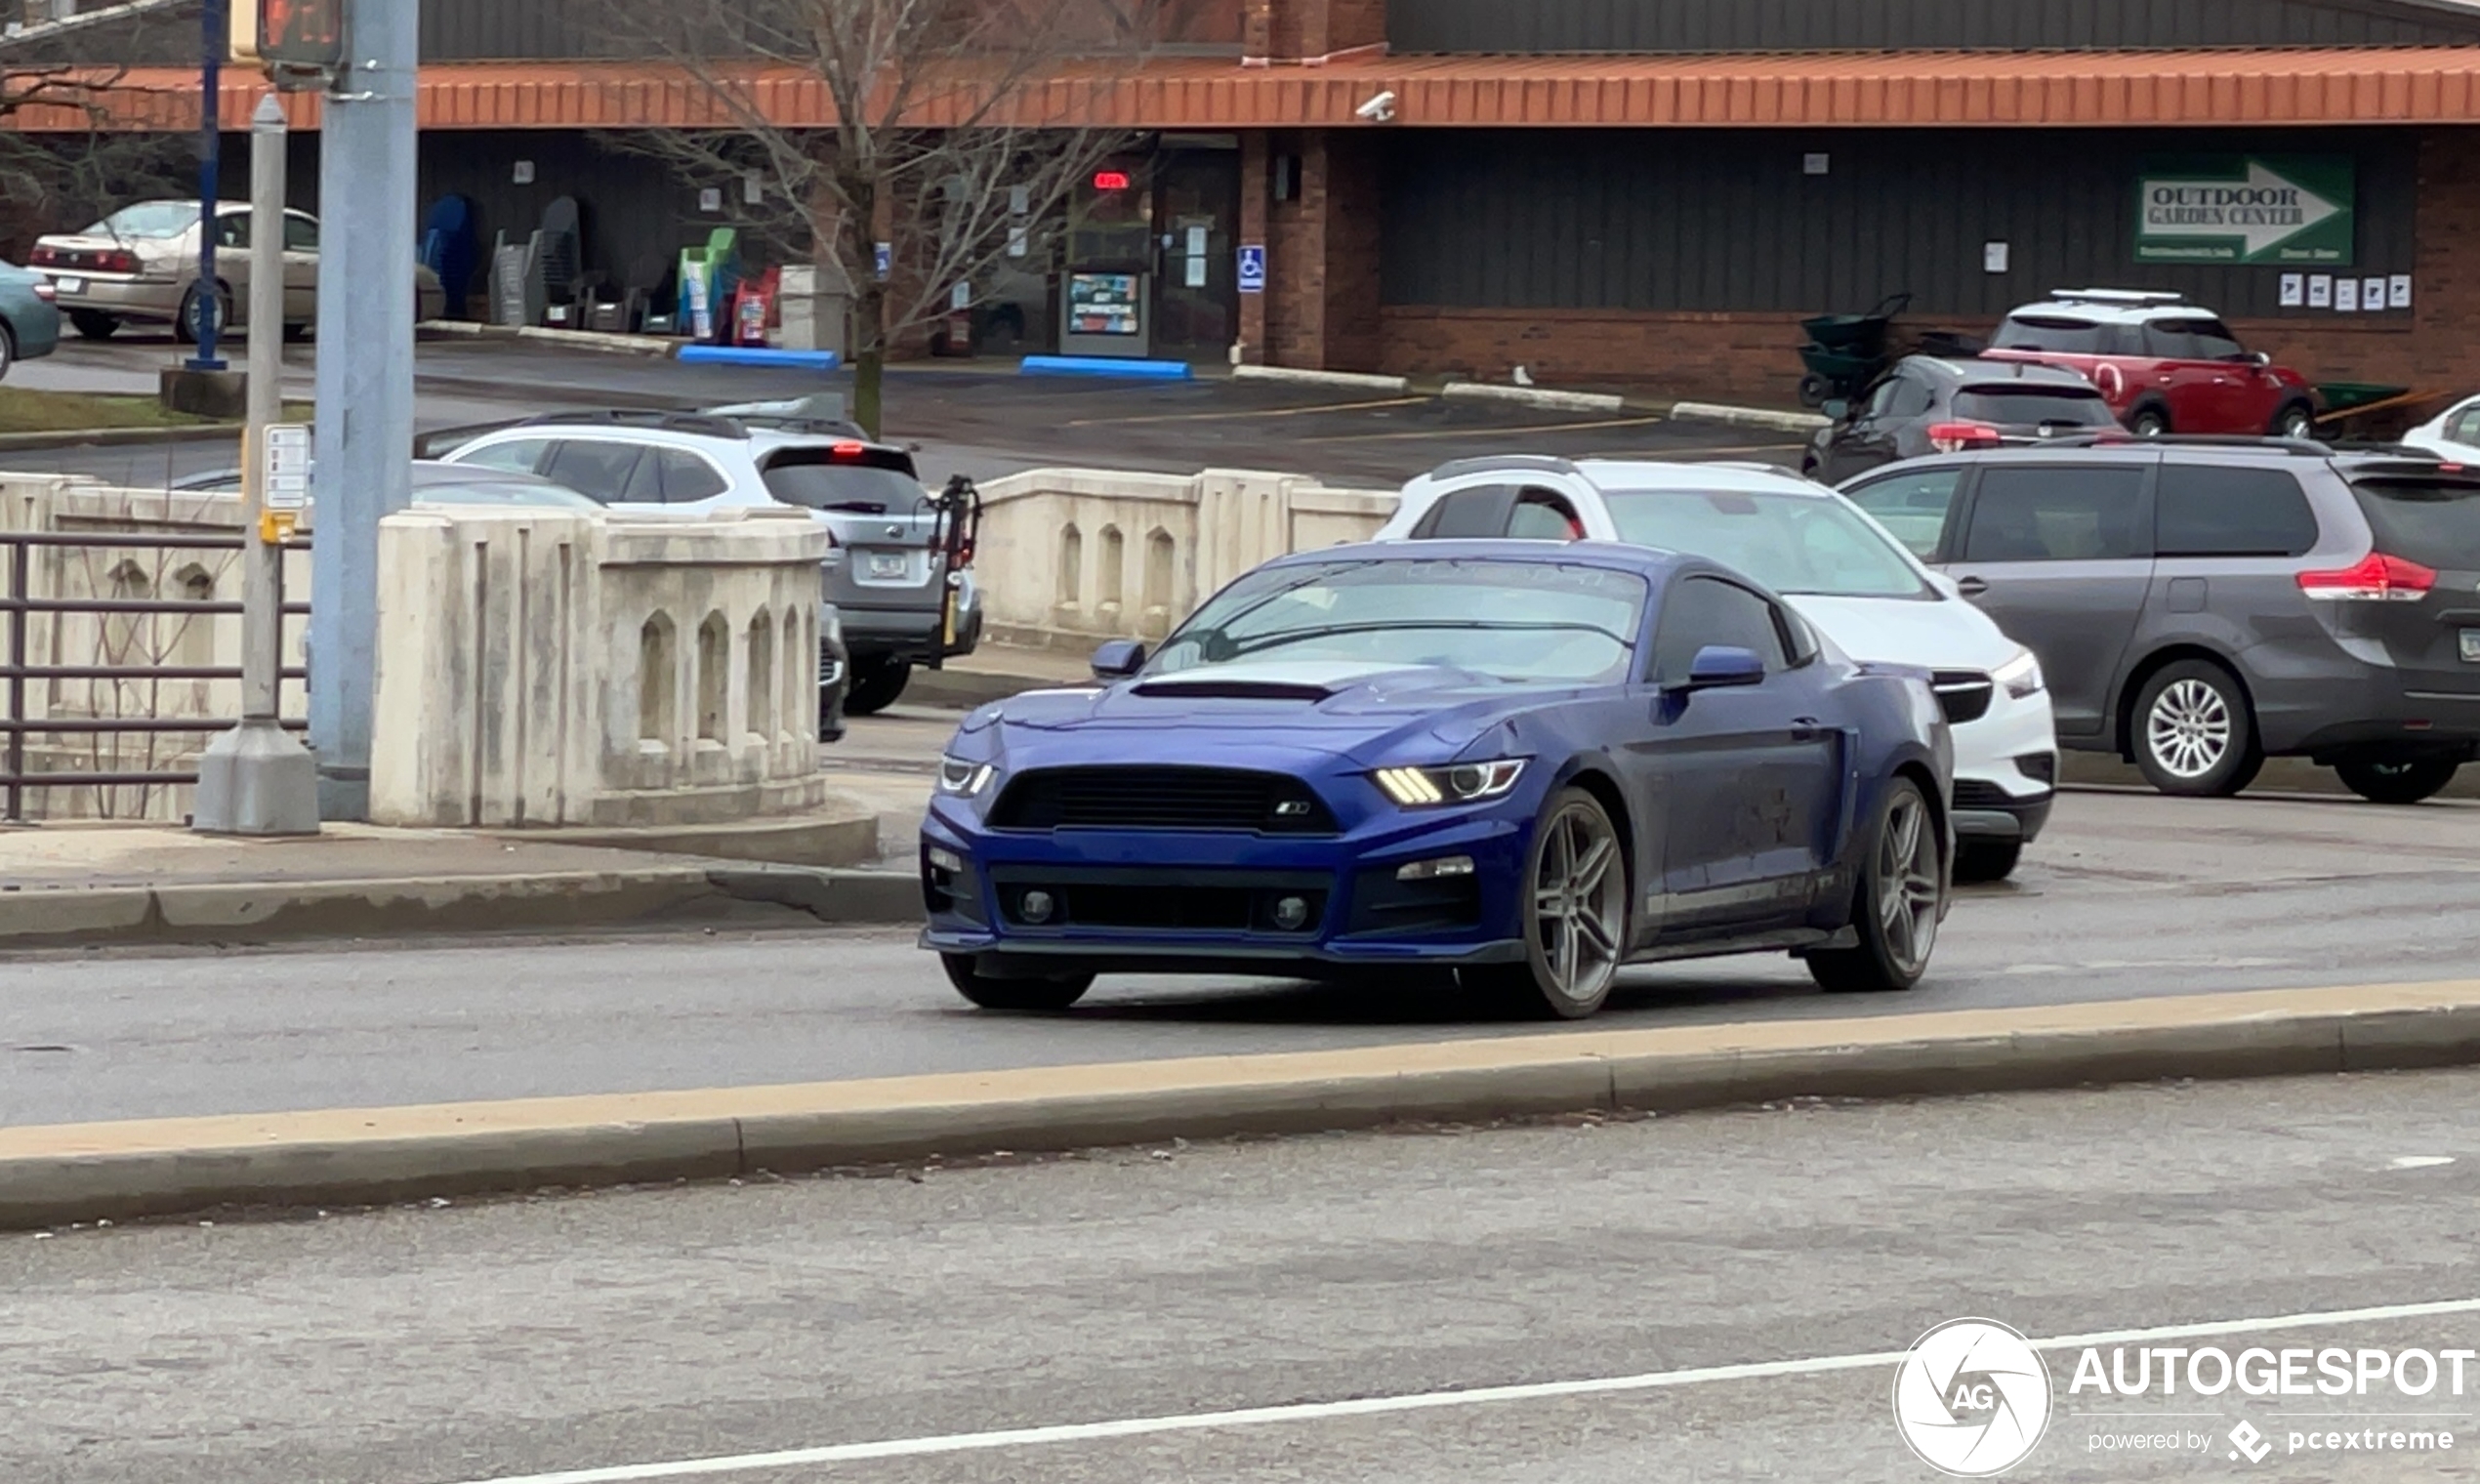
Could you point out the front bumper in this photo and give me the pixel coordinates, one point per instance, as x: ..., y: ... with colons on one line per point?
x: 2006, y: 769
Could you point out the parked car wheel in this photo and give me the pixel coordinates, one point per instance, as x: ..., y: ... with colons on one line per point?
x: 2149, y: 422
x: 2195, y: 733
x: 8, y: 351
x: 1980, y: 861
x: 1898, y: 904
x: 93, y: 324
x: 1575, y: 914
x: 1054, y: 993
x: 875, y: 685
x: 2408, y: 781
x: 2295, y: 421
x: 189, y: 325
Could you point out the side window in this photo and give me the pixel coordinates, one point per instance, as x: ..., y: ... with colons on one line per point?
x: 687, y: 478
x: 2232, y: 512
x: 2214, y: 341
x: 1467, y: 513
x: 1541, y: 516
x: 301, y: 233
x: 233, y: 229
x: 1912, y: 398
x: 2058, y: 513
x: 1913, y: 507
x: 2121, y: 340
x: 518, y: 456
x: 596, y: 469
x: 2466, y: 427
x: 1883, y: 396
x: 1705, y: 612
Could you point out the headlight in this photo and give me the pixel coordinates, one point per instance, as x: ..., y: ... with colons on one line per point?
x: 2021, y: 676
x: 1416, y: 788
x: 963, y: 778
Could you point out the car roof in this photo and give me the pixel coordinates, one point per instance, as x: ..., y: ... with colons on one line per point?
x: 1980, y: 372
x: 1662, y: 474
x: 1616, y: 556
x: 2101, y: 312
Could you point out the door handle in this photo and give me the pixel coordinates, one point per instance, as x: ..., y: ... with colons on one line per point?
x: 1972, y: 586
x: 1807, y: 728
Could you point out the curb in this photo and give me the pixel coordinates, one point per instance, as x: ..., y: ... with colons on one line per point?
x: 1747, y: 417
x: 221, y: 912
x: 115, y: 1170
x: 118, y: 437
x: 651, y: 346
x: 1108, y: 367
x: 1534, y: 396
x: 1353, y: 380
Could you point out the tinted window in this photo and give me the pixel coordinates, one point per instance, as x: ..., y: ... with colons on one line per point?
x: 1542, y: 517
x: 1791, y: 543
x: 2047, y: 331
x: 1705, y: 612
x: 1912, y: 506
x: 2033, y: 406
x: 2191, y: 340
x: 600, y: 469
x: 2232, y: 512
x: 301, y: 233
x: 519, y: 456
x: 233, y: 229
x: 686, y: 477
x: 2435, y: 522
x: 2058, y: 513
x: 1467, y: 515
x: 851, y: 488
x: 2466, y: 427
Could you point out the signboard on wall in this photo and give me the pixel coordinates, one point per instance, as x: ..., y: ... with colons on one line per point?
x: 1102, y: 304
x: 2248, y: 209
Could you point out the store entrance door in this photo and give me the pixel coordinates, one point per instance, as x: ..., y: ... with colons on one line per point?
x: 1196, y: 288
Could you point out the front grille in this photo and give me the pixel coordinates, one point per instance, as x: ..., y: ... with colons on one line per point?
x: 1161, y: 798
x: 1963, y: 694
x: 1164, y: 909
x: 2041, y: 767
x: 1381, y: 903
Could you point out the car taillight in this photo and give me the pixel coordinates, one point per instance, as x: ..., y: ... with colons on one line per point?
x: 847, y: 449
x: 43, y: 257
x: 1952, y: 437
x: 116, y: 262
x: 2375, y: 578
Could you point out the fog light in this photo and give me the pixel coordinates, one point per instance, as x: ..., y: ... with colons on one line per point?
x: 1437, y: 870
x: 1037, y: 906
x: 946, y: 860
x: 1292, y: 914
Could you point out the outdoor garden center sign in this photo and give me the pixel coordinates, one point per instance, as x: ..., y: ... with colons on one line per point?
x: 2253, y: 209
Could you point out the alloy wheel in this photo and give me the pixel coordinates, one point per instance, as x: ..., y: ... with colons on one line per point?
x: 1580, y: 902
x: 1908, y: 891
x: 2189, y: 730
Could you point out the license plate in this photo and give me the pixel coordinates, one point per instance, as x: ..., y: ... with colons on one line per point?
x: 2471, y: 646
x: 890, y: 564
x: 69, y: 285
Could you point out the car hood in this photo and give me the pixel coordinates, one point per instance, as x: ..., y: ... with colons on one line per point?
x: 1946, y: 635
x: 1256, y: 714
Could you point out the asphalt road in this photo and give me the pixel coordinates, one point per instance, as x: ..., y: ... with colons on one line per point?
x: 2130, y: 895
x: 629, y: 1331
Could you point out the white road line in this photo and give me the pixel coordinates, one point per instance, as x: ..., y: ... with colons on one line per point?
x: 1305, y: 1412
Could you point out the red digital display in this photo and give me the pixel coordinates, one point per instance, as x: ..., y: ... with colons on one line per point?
x: 1110, y: 180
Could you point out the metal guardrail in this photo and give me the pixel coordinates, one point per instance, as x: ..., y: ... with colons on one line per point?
x: 18, y: 604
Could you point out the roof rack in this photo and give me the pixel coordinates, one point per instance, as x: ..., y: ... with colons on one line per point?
x: 698, y: 423
x: 1537, y: 462
x: 2115, y: 296
x: 2121, y: 439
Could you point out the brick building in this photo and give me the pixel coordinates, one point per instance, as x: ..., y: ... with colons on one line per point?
x: 1652, y: 192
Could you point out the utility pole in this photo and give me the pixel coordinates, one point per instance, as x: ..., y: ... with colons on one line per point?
x: 210, y: 163
x: 255, y: 779
x: 362, y: 471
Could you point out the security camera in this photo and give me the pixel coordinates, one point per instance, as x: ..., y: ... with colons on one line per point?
x: 1380, y: 109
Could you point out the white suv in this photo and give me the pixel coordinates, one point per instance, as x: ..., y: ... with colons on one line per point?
x: 1831, y: 561
x: 893, y: 569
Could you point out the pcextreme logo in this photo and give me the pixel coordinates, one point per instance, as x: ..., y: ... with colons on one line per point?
x: 1972, y: 1398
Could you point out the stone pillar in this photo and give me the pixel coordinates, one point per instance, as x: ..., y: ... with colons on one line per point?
x: 1257, y: 195
x: 1322, y: 248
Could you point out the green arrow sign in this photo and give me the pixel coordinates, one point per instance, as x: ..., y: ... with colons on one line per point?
x: 2257, y: 209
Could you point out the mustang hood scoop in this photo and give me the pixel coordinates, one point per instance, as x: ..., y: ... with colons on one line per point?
x: 1311, y: 682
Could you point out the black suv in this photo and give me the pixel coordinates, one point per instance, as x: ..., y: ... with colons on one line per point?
x: 1927, y: 404
x: 2198, y: 606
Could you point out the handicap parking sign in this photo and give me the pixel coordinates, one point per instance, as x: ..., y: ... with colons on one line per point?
x: 1252, y: 270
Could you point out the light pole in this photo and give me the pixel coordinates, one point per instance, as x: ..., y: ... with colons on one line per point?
x: 255, y: 779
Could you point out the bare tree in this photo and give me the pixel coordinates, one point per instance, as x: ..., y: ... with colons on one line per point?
x: 81, y: 166
x: 952, y: 131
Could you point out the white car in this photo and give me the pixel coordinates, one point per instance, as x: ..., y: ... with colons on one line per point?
x: 2453, y: 436
x: 1838, y: 567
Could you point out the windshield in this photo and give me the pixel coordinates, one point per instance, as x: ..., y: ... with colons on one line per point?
x: 871, y: 483
x: 2435, y: 522
x: 149, y: 219
x: 1512, y: 621
x: 2033, y: 406
x: 1792, y: 543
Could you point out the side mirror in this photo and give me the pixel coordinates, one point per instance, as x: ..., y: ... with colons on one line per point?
x: 2260, y: 359
x: 1946, y: 585
x: 1720, y: 666
x: 1119, y: 659
x: 1838, y: 409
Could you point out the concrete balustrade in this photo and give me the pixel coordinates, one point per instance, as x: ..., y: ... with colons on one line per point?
x: 1073, y: 555
x: 541, y: 668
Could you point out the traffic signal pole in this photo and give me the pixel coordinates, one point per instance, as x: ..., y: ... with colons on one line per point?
x: 365, y: 380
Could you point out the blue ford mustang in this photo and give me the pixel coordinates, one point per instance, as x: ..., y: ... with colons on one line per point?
x: 1529, y: 764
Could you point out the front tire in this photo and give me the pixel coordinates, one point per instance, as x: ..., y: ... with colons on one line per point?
x: 1899, y: 902
x: 1055, y: 993
x: 1575, y: 915
x: 2409, y: 782
x: 188, y: 326
x: 2195, y: 733
x: 875, y: 685
x: 2149, y: 422
x: 2295, y: 421
x: 1978, y: 862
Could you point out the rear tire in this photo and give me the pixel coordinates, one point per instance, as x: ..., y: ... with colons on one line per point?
x: 1055, y: 993
x: 1897, y: 906
x: 2409, y: 782
x: 2149, y: 422
x: 2194, y: 732
x: 1982, y: 861
x: 1575, y: 896
x: 875, y: 685
x: 186, y: 325
x: 93, y: 324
